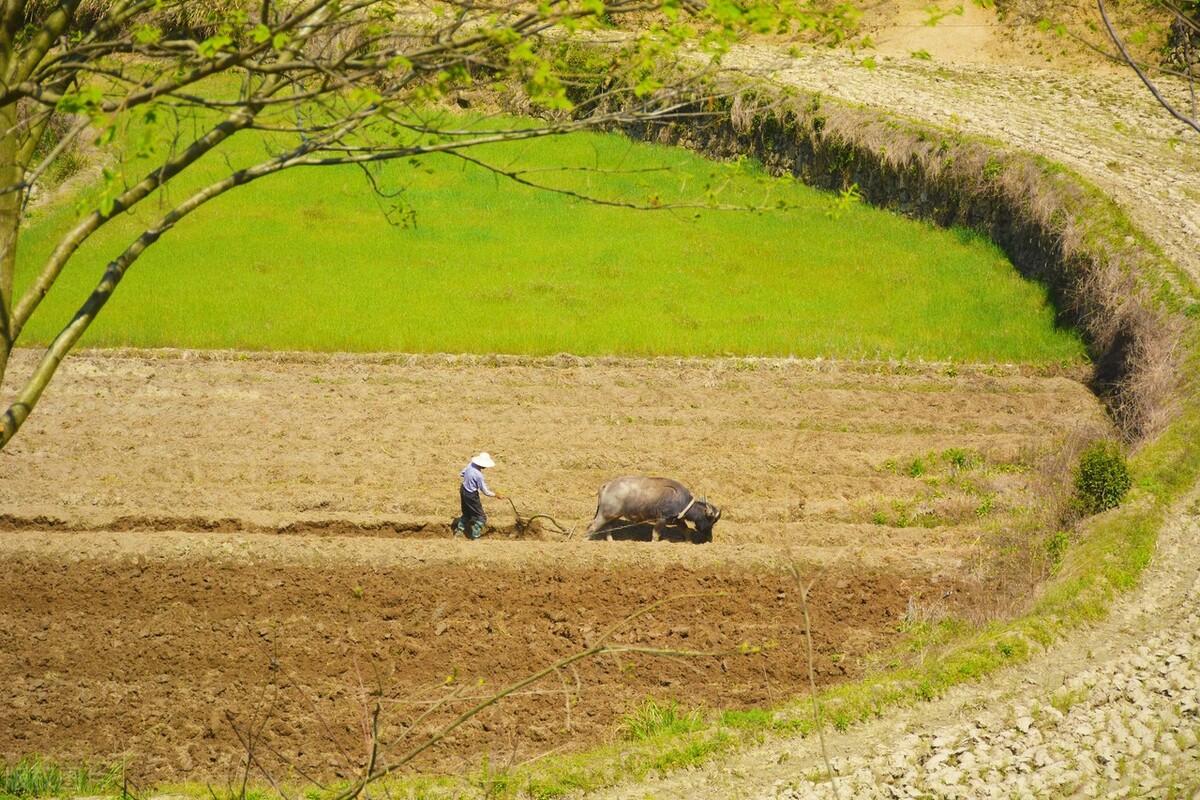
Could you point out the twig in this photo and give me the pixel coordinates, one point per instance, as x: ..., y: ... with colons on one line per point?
x: 1162, y: 101
x: 812, y: 678
x: 600, y: 646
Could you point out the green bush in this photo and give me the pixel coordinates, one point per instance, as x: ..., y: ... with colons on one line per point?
x: 1102, y: 478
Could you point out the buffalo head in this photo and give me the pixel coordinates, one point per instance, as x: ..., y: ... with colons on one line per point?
x: 704, y: 520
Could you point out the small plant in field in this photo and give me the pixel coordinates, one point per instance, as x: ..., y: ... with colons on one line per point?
x: 690, y: 754
x: 903, y: 514
x: 491, y: 780
x: 1056, y: 547
x: 1064, y: 699
x: 986, y: 506
x: 917, y: 468
x: 652, y: 720
x: 1101, y: 479
x: 960, y: 459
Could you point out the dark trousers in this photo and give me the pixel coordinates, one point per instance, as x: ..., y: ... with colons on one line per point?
x: 473, y: 518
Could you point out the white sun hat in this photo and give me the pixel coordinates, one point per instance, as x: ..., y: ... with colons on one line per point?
x: 483, y: 460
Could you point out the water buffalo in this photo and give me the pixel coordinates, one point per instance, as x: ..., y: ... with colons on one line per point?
x: 661, y: 501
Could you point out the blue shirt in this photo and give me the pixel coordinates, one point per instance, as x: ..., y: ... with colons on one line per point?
x: 473, y: 480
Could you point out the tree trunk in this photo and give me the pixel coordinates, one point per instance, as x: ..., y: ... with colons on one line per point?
x: 11, y: 174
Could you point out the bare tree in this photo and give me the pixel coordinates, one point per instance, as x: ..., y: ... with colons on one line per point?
x: 1185, y: 15
x: 320, y: 83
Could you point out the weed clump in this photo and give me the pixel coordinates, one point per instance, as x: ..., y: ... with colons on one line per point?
x: 33, y: 777
x: 652, y: 720
x: 1101, y: 479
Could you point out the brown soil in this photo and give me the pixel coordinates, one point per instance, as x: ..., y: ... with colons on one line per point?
x: 201, y: 546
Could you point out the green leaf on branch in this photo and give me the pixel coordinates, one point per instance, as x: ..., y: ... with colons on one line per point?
x: 937, y: 13
x: 365, y: 96
x: 504, y: 36
x: 846, y: 200
x: 147, y: 34
x: 85, y: 101
x: 213, y: 45
x: 107, y: 134
x: 260, y: 34
x: 646, y: 86
x: 522, y: 54
x: 112, y: 187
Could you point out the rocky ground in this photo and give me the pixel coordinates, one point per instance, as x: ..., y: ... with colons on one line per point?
x: 1114, y: 711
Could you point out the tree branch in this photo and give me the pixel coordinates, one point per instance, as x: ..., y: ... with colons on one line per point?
x: 1128, y: 59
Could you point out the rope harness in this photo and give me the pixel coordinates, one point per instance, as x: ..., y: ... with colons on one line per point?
x: 524, y: 522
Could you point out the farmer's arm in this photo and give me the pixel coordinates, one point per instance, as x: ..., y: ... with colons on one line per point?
x: 483, y: 487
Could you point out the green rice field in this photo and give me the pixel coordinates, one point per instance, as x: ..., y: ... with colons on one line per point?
x: 308, y: 260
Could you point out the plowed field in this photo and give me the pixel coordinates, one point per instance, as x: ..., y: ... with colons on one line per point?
x: 199, y: 548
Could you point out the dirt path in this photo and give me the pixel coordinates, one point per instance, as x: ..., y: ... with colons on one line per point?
x: 1113, y: 712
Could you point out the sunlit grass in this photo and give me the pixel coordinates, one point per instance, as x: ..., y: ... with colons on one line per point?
x: 38, y: 777
x: 307, y: 260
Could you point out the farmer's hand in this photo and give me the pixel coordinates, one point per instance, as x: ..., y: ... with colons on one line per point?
x: 499, y: 496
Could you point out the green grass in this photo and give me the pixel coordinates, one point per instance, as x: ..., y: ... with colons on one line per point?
x: 37, y: 777
x: 307, y: 260
x: 653, y: 719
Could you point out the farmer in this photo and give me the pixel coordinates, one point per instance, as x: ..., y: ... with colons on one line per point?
x: 473, y: 519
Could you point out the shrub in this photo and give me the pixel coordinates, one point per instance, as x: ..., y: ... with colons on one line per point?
x: 1102, y: 478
